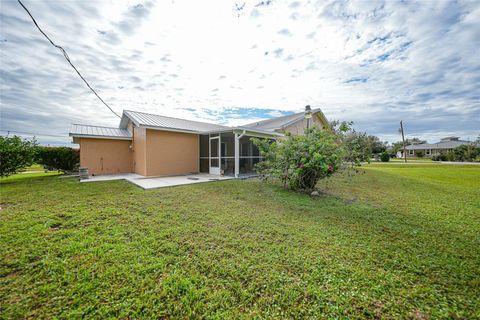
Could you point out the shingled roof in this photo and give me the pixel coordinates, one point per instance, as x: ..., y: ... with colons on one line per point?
x: 444, y: 144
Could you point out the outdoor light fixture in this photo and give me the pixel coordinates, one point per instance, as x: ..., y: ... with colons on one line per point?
x: 308, y: 112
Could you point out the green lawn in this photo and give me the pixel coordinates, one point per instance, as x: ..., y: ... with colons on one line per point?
x: 397, y: 241
x: 35, y: 167
x: 27, y: 176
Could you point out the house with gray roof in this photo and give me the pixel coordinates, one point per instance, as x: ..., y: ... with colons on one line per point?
x: 155, y: 145
x: 431, y: 149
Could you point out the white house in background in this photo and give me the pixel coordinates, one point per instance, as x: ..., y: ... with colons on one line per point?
x: 430, y: 149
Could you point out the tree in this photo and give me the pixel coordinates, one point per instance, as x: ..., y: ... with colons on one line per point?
x: 58, y: 158
x: 376, y: 146
x: 398, y: 146
x: 15, y: 154
x: 414, y: 141
x: 466, y: 152
x: 357, y: 147
x: 300, y: 161
x: 361, y: 147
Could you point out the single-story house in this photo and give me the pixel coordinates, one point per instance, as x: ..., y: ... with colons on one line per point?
x: 431, y: 149
x: 155, y: 145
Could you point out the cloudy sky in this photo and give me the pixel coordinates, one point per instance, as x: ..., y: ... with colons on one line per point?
x: 233, y: 62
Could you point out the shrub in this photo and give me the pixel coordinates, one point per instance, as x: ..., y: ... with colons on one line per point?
x: 15, y: 154
x: 448, y: 156
x: 363, y: 147
x: 385, y: 157
x: 470, y: 153
x: 419, y: 153
x: 58, y: 158
x: 467, y: 152
x: 300, y: 161
x: 357, y: 147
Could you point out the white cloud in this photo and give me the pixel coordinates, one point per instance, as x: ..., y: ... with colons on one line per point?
x: 371, y: 62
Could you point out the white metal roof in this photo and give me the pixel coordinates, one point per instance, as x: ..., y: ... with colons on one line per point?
x: 81, y: 130
x: 452, y: 144
x: 149, y: 120
x: 279, y: 122
x: 154, y: 121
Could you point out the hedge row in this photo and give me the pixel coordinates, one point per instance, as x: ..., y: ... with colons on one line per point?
x: 58, y: 158
x: 469, y: 153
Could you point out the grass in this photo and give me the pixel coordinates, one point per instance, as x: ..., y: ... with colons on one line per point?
x: 35, y: 167
x: 394, y: 242
x: 28, y: 176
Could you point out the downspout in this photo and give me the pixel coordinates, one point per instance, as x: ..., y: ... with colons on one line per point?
x: 132, y: 149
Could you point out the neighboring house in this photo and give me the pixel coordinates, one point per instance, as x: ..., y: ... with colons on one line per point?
x: 154, y: 145
x: 431, y: 149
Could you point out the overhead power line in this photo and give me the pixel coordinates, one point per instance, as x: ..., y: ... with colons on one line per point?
x: 34, y: 134
x: 67, y: 58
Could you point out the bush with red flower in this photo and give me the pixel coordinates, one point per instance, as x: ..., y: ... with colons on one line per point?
x: 300, y: 161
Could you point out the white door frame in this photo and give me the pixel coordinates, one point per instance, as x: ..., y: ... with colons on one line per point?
x: 214, y: 170
x: 237, y: 153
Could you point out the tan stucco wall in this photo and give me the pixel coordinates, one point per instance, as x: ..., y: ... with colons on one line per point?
x: 105, y: 156
x: 299, y: 127
x: 171, y: 153
x: 140, y: 151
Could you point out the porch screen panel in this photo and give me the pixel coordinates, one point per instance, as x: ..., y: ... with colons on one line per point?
x: 249, y: 156
x: 204, y: 165
x: 204, y: 147
x: 204, y: 144
x: 214, y: 151
x: 228, y: 145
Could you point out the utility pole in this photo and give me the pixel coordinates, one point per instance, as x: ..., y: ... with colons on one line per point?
x: 403, y: 139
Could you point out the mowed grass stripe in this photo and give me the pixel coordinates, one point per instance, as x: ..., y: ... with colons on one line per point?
x: 375, y: 246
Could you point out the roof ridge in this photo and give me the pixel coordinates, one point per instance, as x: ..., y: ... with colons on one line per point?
x: 277, y: 118
x: 452, y: 141
x: 273, y: 118
x: 159, y: 115
x: 91, y: 125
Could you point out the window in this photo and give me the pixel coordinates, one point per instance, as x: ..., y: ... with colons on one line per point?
x: 410, y: 152
x: 428, y: 152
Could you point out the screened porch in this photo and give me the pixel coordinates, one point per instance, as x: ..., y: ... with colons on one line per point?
x: 229, y: 153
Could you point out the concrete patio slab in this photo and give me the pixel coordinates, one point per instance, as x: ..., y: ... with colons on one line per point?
x: 159, y: 182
